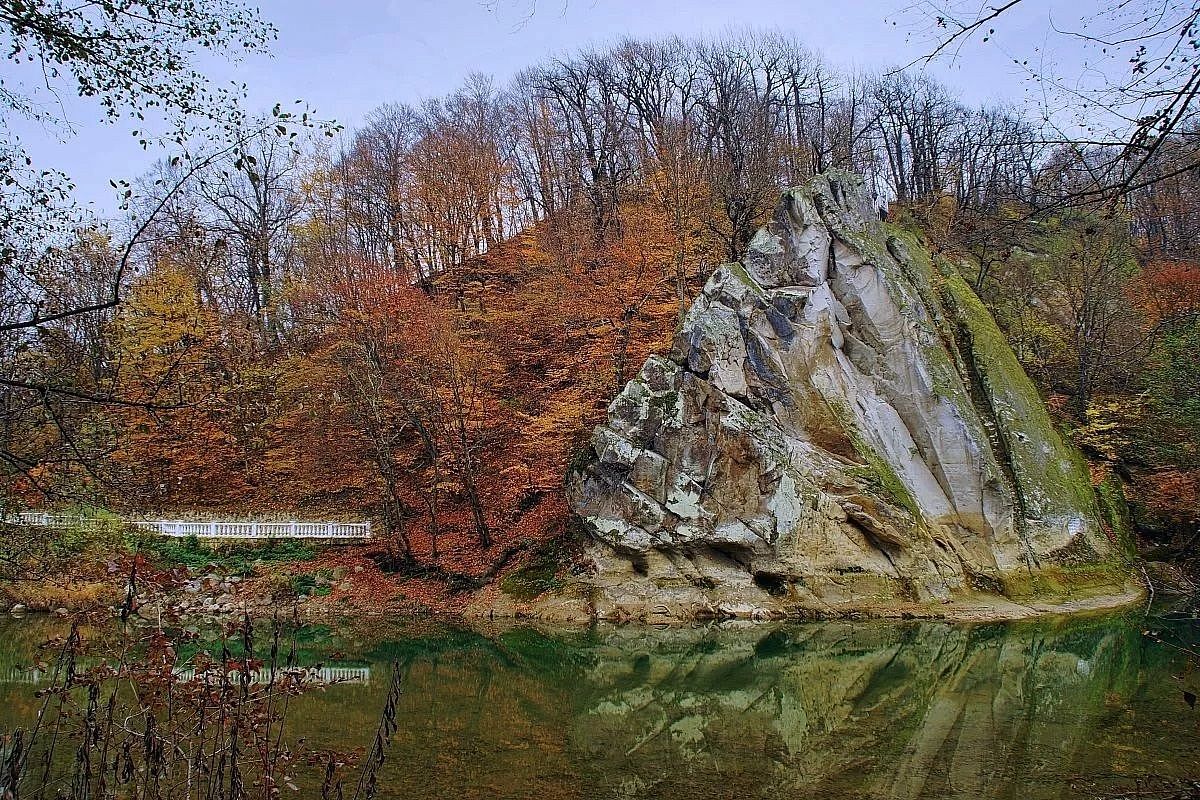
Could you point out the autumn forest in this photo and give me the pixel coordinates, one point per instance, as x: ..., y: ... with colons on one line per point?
x: 417, y: 320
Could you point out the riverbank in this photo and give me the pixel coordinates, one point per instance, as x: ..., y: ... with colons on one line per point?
x: 567, y: 606
x: 333, y: 583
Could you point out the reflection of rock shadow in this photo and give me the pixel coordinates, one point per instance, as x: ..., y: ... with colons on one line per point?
x: 852, y: 710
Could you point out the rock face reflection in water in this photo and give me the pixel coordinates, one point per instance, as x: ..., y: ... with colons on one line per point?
x: 922, y: 710
x: 880, y: 710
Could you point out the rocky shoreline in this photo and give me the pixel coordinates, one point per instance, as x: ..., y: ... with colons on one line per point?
x: 212, y: 598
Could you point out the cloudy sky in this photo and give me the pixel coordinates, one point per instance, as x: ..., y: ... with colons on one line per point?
x: 344, y: 58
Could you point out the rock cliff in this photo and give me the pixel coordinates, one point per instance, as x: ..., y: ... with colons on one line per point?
x: 840, y: 425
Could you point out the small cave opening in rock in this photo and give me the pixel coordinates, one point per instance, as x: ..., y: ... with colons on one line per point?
x: 771, y: 583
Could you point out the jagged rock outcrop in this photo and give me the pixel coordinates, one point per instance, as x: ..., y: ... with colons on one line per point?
x: 840, y: 425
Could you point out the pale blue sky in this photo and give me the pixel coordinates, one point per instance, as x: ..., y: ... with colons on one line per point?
x: 346, y: 58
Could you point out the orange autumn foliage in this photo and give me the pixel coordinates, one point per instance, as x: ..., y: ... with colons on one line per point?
x: 194, y: 445
x: 1172, y: 494
x: 1167, y: 290
x: 565, y: 334
x: 448, y: 417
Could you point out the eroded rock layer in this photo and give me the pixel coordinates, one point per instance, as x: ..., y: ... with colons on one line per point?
x: 839, y: 425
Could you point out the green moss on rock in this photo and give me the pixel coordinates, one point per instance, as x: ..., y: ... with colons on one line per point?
x: 1052, y: 476
x: 1117, y: 515
x: 1062, y: 582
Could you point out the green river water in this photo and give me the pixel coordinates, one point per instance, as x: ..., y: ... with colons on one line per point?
x: 1083, y: 707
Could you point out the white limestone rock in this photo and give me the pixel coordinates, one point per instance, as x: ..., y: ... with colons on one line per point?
x: 818, y: 440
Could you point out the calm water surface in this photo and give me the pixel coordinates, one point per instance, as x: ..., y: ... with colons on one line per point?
x: 1049, y: 709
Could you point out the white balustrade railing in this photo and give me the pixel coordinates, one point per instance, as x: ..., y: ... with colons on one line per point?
x: 43, y: 520
x: 313, y: 675
x: 263, y: 675
x: 23, y: 675
x: 207, y: 530
x: 257, y: 530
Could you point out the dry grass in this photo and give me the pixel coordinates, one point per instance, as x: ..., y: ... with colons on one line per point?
x: 48, y: 595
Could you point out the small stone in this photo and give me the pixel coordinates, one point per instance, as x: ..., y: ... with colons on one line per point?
x: 18, y: 609
x: 61, y: 612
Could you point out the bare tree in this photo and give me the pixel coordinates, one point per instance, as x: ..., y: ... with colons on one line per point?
x: 1122, y: 80
x: 661, y: 82
x: 592, y: 116
x: 740, y: 110
x: 251, y: 207
x: 1092, y: 277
